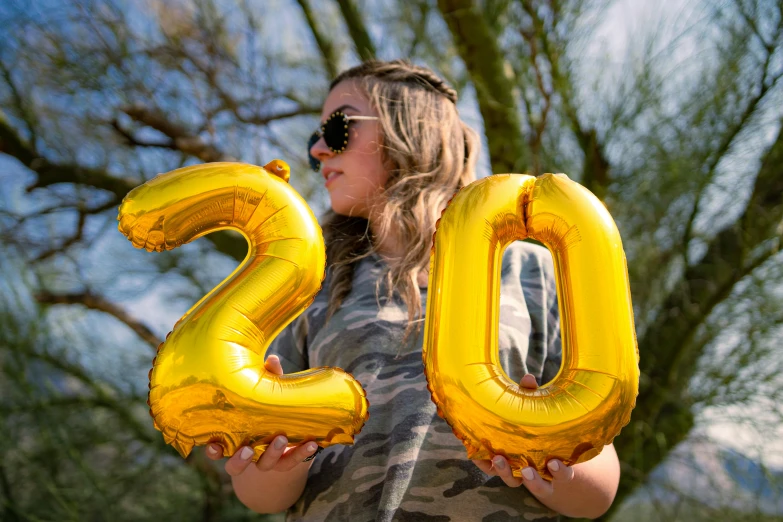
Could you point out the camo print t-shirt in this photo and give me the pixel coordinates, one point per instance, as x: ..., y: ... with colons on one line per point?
x: 406, y: 464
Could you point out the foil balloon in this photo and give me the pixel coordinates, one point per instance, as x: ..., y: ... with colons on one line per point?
x: 572, y: 417
x: 208, y: 382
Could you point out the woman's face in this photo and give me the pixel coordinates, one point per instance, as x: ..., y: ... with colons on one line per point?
x: 355, y: 177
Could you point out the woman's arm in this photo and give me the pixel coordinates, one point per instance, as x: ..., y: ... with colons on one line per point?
x: 582, y: 490
x: 277, y: 480
x: 270, y: 491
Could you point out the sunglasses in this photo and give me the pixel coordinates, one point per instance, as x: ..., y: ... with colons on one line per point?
x: 335, y: 134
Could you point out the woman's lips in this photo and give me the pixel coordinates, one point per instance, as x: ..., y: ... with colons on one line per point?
x: 330, y: 177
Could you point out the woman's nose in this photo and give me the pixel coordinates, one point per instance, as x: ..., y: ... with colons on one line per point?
x: 320, y: 150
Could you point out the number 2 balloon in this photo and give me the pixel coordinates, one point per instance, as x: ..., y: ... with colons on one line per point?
x: 208, y: 382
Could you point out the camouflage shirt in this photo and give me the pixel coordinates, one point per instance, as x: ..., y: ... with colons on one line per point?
x: 406, y: 464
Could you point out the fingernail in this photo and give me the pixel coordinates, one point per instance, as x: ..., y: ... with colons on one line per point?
x: 212, y: 450
x: 310, y: 447
x: 246, y: 453
x: 499, y: 463
x: 280, y: 442
x: 528, y: 473
x: 553, y: 465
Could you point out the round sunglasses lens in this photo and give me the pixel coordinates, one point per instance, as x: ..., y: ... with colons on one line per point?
x: 314, y: 163
x: 336, y: 132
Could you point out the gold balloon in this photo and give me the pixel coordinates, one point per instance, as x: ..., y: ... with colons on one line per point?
x: 591, y: 398
x: 208, y: 382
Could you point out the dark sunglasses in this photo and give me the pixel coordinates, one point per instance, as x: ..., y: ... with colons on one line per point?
x: 335, y: 134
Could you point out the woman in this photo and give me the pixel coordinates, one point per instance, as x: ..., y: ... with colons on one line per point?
x: 392, y: 151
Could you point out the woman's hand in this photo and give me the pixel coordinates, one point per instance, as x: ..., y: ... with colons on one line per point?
x: 532, y: 480
x: 277, y: 457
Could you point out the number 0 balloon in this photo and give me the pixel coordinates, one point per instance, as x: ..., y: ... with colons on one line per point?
x: 208, y: 382
x: 591, y: 398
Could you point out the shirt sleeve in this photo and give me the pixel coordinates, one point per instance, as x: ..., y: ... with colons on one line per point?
x: 290, y: 346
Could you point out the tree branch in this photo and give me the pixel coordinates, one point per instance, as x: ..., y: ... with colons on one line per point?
x: 51, y: 173
x: 75, y: 238
x: 725, y: 145
x: 13, y: 144
x: 486, y: 65
x: 770, y: 48
x: 100, y: 394
x: 329, y: 56
x: 62, y: 401
x: 595, y: 169
x: 229, y: 102
x: 419, y: 27
x: 10, y: 511
x: 133, y: 141
x: 538, y: 127
x: 27, y: 115
x: 182, y: 140
x: 668, y: 353
x: 96, y: 302
x: 264, y: 119
x: 358, y: 30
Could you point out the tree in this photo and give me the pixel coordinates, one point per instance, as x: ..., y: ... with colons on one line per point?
x: 682, y: 142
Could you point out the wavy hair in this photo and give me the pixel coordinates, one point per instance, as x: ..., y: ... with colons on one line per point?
x: 429, y: 153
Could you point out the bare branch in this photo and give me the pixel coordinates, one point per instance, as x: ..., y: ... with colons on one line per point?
x: 20, y: 219
x: 96, y: 302
x: 264, y: 119
x: 182, y: 140
x: 328, y: 53
x: 50, y: 174
x: 23, y: 107
x: 754, y: 27
x: 11, y: 234
x: 237, y: 107
x: 539, y: 126
x: 357, y: 29
x: 595, y: 170
x: 479, y: 50
x: 13, y: 144
x: 132, y: 140
x: 75, y: 238
x: 670, y: 355
x: 419, y: 27
x: 101, y: 393
x: 10, y: 511
x: 63, y: 401
x: 727, y: 140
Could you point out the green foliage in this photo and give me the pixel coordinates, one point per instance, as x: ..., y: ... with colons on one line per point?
x: 80, y: 447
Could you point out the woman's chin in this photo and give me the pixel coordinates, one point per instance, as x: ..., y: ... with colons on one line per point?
x: 348, y: 211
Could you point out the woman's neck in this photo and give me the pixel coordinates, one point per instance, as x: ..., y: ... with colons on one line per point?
x: 392, y: 251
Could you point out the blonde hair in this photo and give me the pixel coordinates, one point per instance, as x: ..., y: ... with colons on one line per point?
x: 429, y: 154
